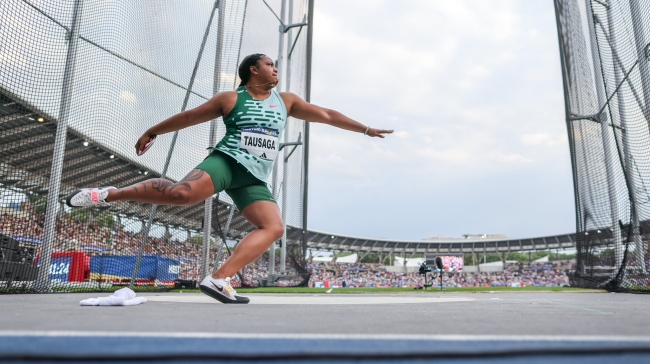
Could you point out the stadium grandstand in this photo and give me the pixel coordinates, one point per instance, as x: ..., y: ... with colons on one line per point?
x: 328, y: 241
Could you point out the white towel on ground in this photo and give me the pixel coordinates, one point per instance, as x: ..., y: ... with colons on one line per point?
x: 121, y: 297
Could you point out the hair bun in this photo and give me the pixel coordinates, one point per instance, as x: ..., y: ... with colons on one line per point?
x: 244, y: 70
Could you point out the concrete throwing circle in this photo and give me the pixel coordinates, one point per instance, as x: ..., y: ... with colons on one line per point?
x: 306, y: 299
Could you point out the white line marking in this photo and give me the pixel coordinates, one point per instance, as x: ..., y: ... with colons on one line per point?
x: 315, y: 300
x: 579, y: 308
x: 217, y: 335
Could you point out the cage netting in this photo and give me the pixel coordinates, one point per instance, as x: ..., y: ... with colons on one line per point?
x: 604, y: 46
x: 284, y: 265
x: 96, y: 74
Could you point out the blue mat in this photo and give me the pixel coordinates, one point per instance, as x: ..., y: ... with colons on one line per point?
x: 240, y: 349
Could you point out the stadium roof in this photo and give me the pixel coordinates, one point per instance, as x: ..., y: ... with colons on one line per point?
x: 26, y: 147
x: 327, y: 241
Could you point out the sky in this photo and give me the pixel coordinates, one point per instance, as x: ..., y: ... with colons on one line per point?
x: 473, y: 90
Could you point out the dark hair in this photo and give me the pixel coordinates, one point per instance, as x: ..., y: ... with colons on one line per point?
x: 245, y: 67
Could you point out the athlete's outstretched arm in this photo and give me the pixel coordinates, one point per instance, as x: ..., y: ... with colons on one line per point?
x: 211, y: 109
x: 301, y: 109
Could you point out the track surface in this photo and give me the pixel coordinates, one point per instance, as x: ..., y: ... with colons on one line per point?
x: 310, y: 327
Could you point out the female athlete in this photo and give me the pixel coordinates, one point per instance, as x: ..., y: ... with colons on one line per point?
x: 255, y: 115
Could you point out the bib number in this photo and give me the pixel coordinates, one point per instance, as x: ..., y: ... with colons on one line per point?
x: 259, y: 141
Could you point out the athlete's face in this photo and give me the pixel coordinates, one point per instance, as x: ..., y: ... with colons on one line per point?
x: 265, y: 72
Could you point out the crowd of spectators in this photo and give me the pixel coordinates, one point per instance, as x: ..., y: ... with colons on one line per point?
x: 375, y: 275
x: 93, y: 240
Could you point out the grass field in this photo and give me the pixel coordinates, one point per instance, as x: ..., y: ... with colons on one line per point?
x: 308, y: 290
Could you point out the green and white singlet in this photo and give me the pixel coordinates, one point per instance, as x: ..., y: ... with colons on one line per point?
x: 253, y: 128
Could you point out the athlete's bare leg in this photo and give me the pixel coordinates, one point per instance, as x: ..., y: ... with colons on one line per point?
x: 194, y: 188
x: 266, y: 217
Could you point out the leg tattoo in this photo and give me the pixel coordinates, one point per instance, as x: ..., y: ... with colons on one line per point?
x: 134, y: 188
x: 195, y: 175
x: 154, y: 187
x: 161, y: 185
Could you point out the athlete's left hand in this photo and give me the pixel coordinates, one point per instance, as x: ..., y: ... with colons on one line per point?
x: 378, y: 132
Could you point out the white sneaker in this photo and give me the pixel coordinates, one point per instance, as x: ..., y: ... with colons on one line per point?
x: 221, y: 290
x: 89, y: 197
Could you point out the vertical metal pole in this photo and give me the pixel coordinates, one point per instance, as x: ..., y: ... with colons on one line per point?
x: 222, y: 244
x: 642, y: 52
x: 281, y: 43
x: 570, y: 134
x: 207, y: 232
x: 627, y: 152
x: 276, y: 166
x: 274, y: 182
x: 216, y: 85
x: 606, y: 135
x: 283, y: 248
x: 284, y: 161
x: 43, y: 283
x: 305, y: 145
x: 152, y: 212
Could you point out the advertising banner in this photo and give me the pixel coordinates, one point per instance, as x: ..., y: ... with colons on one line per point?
x: 152, y: 267
x: 60, y: 269
x: 69, y: 267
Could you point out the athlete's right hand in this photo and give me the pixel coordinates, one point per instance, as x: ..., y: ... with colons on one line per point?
x: 378, y: 132
x: 142, y: 141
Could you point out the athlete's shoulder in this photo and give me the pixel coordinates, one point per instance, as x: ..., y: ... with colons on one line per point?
x: 226, y: 94
x: 290, y: 98
x: 224, y: 101
x: 289, y: 95
x: 225, y: 98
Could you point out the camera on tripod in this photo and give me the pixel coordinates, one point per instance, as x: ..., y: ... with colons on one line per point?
x: 425, y: 268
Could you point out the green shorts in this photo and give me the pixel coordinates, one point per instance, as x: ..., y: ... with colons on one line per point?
x: 229, y: 175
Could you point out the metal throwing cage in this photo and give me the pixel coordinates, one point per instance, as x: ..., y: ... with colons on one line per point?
x: 604, y: 48
x: 79, y: 82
